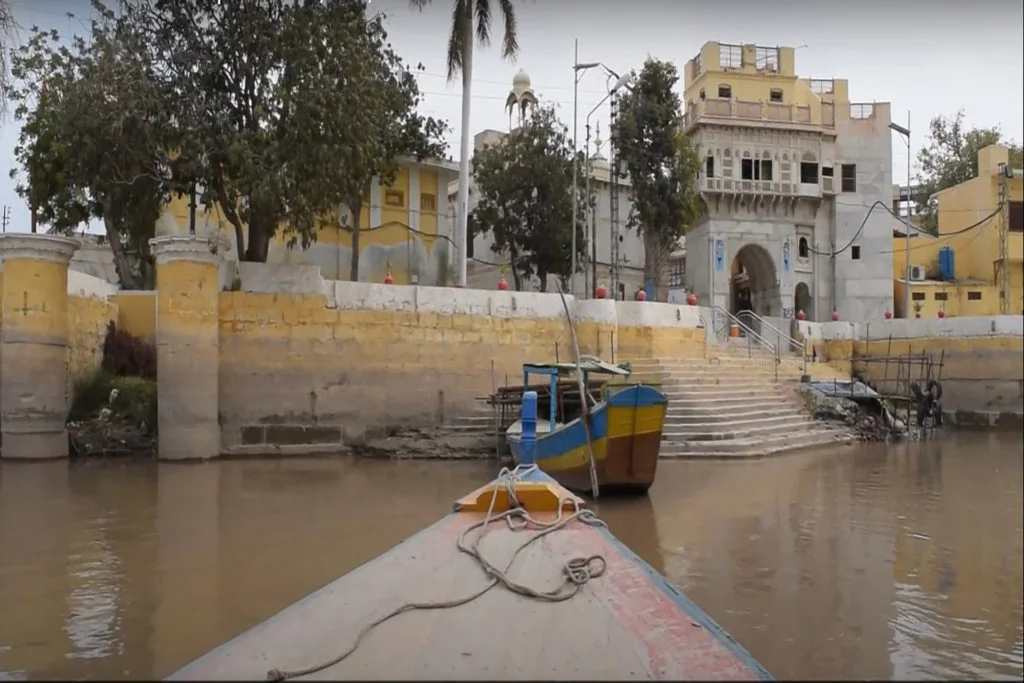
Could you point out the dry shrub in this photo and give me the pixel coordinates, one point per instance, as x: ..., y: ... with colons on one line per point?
x: 126, y: 355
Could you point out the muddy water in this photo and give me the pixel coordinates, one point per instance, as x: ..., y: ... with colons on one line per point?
x: 900, y: 562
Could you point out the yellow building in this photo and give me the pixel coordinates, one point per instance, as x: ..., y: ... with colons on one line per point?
x: 405, y: 228
x: 977, y: 253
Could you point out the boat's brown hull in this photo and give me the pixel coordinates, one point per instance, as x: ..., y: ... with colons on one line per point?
x: 629, y: 467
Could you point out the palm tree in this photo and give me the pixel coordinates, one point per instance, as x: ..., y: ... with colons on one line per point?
x: 466, y: 14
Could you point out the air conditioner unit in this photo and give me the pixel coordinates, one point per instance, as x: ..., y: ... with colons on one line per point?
x: 916, y: 273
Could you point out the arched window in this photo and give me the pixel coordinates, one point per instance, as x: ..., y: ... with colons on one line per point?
x: 803, y: 248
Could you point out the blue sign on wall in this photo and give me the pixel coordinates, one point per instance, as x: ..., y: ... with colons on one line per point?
x: 786, y: 253
x: 719, y: 254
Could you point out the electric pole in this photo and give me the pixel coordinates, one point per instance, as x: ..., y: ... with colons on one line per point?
x: 1005, y: 173
x: 613, y: 158
x: 7, y: 217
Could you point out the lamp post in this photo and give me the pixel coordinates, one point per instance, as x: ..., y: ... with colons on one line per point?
x: 620, y: 82
x: 905, y: 132
x: 578, y: 70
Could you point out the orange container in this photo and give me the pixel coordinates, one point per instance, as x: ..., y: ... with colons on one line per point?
x: 734, y: 330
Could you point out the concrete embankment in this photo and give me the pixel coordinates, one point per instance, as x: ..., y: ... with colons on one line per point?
x: 982, y: 361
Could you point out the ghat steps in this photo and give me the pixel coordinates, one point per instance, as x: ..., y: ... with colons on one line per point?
x: 730, y: 405
x: 725, y: 405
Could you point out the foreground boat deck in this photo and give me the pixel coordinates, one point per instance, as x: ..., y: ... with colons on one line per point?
x: 625, y: 624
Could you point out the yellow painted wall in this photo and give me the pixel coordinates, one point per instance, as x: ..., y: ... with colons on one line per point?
x: 979, y: 373
x: 748, y: 84
x: 288, y: 358
x: 429, y: 186
x: 953, y: 299
x: 88, y: 317
x: 136, y: 313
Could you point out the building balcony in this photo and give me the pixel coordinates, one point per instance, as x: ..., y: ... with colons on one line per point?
x: 767, y: 188
x: 713, y: 110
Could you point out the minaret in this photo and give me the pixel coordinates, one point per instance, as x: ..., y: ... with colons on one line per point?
x: 520, y: 99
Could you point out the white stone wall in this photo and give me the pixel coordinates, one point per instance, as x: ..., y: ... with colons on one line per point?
x: 864, y: 287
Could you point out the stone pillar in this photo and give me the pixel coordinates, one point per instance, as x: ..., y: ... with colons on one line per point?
x: 187, y: 347
x: 34, y: 345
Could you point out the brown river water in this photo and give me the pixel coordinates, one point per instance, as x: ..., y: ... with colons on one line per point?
x: 877, y: 561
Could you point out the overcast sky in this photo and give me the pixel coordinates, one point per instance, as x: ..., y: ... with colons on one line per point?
x: 930, y: 58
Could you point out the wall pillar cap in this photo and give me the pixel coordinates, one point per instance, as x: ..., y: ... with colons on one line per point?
x: 194, y: 249
x: 37, y: 247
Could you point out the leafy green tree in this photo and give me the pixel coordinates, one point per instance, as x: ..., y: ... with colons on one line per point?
x: 469, y: 17
x: 284, y: 109
x: 94, y: 138
x: 524, y: 199
x: 662, y: 165
x: 951, y: 157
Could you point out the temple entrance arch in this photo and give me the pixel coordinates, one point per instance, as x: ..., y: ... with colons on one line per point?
x: 802, y: 300
x: 754, y: 285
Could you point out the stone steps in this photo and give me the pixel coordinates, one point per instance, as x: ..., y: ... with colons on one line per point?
x: 731, y: 405
x: 756, y: 447
x: 739, y: 429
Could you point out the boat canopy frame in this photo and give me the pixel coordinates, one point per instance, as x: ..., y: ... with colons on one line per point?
x: 555, y: 370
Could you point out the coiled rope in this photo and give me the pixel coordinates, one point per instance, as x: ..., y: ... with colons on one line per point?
x: 576, y: 572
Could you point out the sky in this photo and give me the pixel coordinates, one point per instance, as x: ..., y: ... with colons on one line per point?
x: 928, y: 58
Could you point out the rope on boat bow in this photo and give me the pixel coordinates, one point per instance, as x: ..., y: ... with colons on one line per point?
x: 576, y: 572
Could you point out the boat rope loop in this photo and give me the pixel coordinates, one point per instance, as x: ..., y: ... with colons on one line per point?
x: 576, y: 572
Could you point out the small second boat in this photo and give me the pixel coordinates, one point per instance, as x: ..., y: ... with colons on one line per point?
x: 610, y: 445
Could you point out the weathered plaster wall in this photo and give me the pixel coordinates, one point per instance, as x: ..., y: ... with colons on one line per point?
x: 306, y: 361
x: 983, y: 367
x: 91, y: 305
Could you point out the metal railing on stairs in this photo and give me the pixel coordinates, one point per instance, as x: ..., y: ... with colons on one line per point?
x: 785, y: 344
x: 759, y: 349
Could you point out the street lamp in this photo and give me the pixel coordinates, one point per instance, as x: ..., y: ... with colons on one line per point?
x: 578, y: 70
x: 905, y: 132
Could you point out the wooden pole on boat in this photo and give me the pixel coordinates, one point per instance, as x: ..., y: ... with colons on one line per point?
x: 583, y: 392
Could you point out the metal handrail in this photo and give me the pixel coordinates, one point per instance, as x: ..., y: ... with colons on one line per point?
x: 766, y: 350
x: 782, y: 337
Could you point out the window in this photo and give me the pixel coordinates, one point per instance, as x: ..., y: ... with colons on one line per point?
x: 974, y: 296
x: 941, y: 296
x: 855, y: 252
x: 394, y: 198
x: 809, y: 172
x: 1016, y: 217
x: 917, y: 296
x: 803, y: 249
x: 428, y: 202
x: 724, y: 92
x: 826, y: 172
x: 849, y: 178
x: 756, y: 169
x: 709, y: 167
x: 775, y: 95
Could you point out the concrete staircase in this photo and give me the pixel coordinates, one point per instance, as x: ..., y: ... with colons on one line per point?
x: 729, y: 404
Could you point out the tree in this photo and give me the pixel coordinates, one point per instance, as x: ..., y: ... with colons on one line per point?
x: 282, y: 108
x: 950, y: 158
x: 94, y: 139
x: 8, y: 35
x: 524, y: 199
x: 661, y: 163
x: 467, y: 14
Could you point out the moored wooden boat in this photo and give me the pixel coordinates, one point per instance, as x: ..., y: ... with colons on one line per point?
x: 624, y: 425
x: 578, y: 605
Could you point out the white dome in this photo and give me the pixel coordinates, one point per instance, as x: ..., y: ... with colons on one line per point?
x: 521, y: 79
